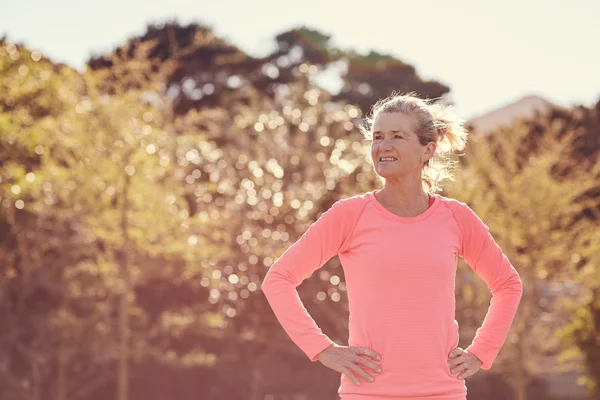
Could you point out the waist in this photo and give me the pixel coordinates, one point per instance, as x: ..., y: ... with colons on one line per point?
x: 414, y: 362
x: 460, y: 396
x: 415, y: 383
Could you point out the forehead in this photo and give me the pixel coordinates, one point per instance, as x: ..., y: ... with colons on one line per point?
x: 397, y: 121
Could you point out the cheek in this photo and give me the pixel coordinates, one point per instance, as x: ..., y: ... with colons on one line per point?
x: 373, y: 151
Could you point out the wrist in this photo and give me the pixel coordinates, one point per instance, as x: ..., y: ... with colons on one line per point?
x: 320, y: 354
x: 475, y: 357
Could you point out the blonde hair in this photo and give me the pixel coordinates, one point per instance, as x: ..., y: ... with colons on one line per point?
x: 435, y: 123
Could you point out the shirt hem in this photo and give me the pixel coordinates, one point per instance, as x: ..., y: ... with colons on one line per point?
x: 378, y: 397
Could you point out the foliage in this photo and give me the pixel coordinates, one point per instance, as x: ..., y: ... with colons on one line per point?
x: 161, y: 183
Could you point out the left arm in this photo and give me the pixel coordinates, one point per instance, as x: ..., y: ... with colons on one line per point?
x: 485, y: 257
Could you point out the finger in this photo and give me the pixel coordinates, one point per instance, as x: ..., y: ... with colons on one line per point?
x: 456, y: 361
x: 361, y: 372
x: 465, y: 374
x: 459, y: 368
x: 368, y: 363
x: 473, y: 360
x: 456, y: 352
x: 350, y: 375
x: 367, y: 352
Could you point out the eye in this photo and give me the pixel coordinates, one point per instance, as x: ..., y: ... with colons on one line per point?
x: 377, y: 137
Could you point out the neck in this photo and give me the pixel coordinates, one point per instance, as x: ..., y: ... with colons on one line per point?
x: 407, y: 190
x: 403, y: 199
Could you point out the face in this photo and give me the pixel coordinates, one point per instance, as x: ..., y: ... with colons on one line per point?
x: 393, y: 136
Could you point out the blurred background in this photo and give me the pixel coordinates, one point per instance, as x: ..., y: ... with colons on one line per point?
x: 157, y: 158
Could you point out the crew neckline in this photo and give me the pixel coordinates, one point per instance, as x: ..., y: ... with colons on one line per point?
x: 416, y: 218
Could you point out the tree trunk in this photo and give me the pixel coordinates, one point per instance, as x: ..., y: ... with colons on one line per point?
x: 123, y: 372
x: 62, y: 368
x: 36, y: 386
x: 522, y: 379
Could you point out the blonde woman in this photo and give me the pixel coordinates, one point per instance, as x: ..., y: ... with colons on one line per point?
x: 399, y: 248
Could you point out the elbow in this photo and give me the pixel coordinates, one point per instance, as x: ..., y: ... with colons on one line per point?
x: 517, y: 284
x: 274, y: 281
x: 512, y: 285
x: 267, y: 284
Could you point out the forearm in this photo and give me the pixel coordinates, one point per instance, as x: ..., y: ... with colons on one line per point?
x: 507, y: 289
x: 293, y: 316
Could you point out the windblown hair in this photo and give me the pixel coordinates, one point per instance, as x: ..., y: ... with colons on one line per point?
x: 434, y: 123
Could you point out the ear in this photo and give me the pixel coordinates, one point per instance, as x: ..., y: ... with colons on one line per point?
x: 429, y: 152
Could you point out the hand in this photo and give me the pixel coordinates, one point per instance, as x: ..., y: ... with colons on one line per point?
x: 464, y: 362
x: 346, y: 360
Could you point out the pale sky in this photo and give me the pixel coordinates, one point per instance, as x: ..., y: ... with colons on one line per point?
x: 489, y: 53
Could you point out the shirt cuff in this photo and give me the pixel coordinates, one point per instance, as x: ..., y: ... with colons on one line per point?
x: 323, y: 343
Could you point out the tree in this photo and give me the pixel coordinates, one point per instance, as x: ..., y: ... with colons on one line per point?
x: 534, y: 212
x: 94, y: 215
x: 35, y: 242
x: 373, y: 76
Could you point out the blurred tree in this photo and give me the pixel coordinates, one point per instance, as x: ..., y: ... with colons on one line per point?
x: 95, y: 179
x: 130, y: 191
x: 194, y: 66
x: 581, y: 336
x: 582, y: 124
x: 158, y: 186
x: 35, y: 243
x: 375, y: 75
x: 534, y: 212
x: 365, y: 78
x: 197, y: 68
x: 260, y: 156
x: 273, y: 151
x: 305, y: 45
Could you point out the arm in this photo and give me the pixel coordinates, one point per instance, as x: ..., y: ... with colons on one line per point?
x: 326, y: 237
x: 485, y: 257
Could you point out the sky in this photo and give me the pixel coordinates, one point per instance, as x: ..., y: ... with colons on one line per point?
x: 490, y: 53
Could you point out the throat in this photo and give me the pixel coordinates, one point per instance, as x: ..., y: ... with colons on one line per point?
x: 403, y: 210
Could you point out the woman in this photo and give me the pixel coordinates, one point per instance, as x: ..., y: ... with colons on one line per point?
x: 399, y: 247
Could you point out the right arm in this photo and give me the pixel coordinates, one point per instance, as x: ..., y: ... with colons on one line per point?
x: 325, y: 238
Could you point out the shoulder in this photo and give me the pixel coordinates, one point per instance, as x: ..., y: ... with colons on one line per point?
x: 456, y: 206
x: 351, y: 205
x: 346, y: 209
x: 357, y: 200
x: 452, y: 203
x: 463, y: 213
x: 340, y: 220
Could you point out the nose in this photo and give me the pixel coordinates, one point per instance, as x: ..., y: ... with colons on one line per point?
x: 385, y: 144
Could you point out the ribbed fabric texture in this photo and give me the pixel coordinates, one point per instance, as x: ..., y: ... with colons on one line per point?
x: 400, y: 278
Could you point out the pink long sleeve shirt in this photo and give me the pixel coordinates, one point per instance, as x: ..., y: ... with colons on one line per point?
x: 400, y: 274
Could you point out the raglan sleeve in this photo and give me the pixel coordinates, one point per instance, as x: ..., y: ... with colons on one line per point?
x: 484, y: 256
x: 329, y: 235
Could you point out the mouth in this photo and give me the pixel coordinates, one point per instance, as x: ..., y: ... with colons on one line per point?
x: 387, y: 159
